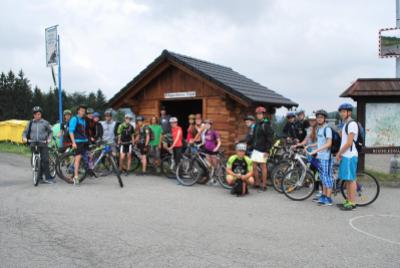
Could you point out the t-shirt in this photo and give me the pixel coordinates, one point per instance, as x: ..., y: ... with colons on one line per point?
x: 157, y: 130
x: 164, y: 121
x: 126, y: 131
x: 108, y: 131
x: 175, y: 131
x: 240, y: 165
x: 352, y: 128
x: 143, y: 132
x: 77, y: 126
x: 322, y: 137
x: 211, y: 140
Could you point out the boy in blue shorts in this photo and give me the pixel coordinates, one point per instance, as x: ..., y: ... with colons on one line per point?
x: 348, y: 156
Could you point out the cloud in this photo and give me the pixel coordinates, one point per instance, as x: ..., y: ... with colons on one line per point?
x: 307, y: 50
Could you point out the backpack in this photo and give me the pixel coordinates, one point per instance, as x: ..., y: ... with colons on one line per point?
x: 151, y: 133
x: 336, y: 140
x: 237, y: 188
x: 360, y: 138
x: 126, y: 134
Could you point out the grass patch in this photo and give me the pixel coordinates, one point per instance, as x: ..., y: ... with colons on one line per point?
x: 14, y: 148
x: 385, y: 177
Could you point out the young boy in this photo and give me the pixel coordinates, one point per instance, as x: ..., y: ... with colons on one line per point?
x: 240, y: 167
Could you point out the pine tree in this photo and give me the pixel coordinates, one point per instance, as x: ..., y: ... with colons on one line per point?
x: 101, y: 102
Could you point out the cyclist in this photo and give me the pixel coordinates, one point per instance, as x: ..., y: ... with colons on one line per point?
x: 164, y: 120
x: 156, y: 142
x: 248, y: 139
x: 212, y: 143
x: 177, y: 143
x: 290, y: 129
x: 262, y: 143
x: 301, y: 125
x: 126, y: 137
x: 192, y: 130
x: 323, y: 152
x: 199, y: 125
x: 66, y: 139
x: 109, y: 130
x: 239, y: 166
x: 348, y: 155
x: 142, y: 140
x: 97, y: 133
x: 79, y: 139
x: 39, y: 130
x: 90, y: 124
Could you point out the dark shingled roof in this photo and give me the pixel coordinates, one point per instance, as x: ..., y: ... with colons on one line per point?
x: 365, y: 87
x: 225, y: 77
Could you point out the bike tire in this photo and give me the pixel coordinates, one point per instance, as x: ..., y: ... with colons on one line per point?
x: 36, y: 171
x: 166, y: 169
x: 364, y: 180
x: 277, y: 174
x: 135, y: 164
x: 186, y: 172
x: 65, y: 167
x: 116, y: 171
x: 290, y: 185
x: 221, y: 177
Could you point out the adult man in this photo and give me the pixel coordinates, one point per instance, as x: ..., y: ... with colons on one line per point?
x: 79, y: 139
x: 348, y: 155
x: 240, y: 167
x: 109, y: 129
x: 97, y: 130
x: 248, y: 139
x: 90, y: 125
x: 39, y: 130
x: 164, y: 121
x: 142, y: 140
x: 301, y: 125
x: 126, y: 138
x: 323, y: 152
x: 156, y: 142
x: 290, y: 130
x: 262, y: 143
x: 66, y: 139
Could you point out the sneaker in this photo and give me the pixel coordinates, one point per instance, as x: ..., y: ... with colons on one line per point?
x: 51, y: 181
x: 348, y: 206
x: 126, y: 173
x: 328, y: 202
x: 322, y: 200
x: 316, y: 199
x: 318, y: 195
x: 76, y: 180
x: 262, y: 189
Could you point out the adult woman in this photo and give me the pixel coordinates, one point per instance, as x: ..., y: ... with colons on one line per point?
x: 177, y: 144
x: 212, y: 143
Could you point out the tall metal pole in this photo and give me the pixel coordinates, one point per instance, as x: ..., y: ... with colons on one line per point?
x: 60, y: 112
x: 398, y: 26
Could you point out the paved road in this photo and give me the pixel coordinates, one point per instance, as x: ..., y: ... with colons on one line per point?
x: 152, y: 222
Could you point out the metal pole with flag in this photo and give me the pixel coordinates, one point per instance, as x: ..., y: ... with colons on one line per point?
x: 53, y: 58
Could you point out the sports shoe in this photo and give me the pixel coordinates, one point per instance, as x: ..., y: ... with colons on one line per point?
x: 319, y: 194
x: 76, y: 180
x: 322, y: 200
x: 328, y: 202
x: 348, y: 206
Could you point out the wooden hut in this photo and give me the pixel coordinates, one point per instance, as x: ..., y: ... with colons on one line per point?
x: 185, y: 85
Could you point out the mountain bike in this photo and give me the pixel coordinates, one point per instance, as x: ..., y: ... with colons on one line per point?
x: 35, y: 161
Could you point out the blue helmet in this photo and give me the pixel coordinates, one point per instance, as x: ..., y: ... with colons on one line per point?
x: 345, y: 106
x: 96, y: 114
x: 290, y: 114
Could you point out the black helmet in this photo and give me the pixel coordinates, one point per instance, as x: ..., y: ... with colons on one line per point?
x: 322, y: 112
x: 250, y: 117
x: 37, y: 109
x: 139, y: 118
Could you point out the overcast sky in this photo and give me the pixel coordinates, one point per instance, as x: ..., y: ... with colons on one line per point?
x: 307, y: 50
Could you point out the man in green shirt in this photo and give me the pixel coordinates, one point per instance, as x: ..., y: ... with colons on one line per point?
x: 126, y: 138
x: 155, y: 143
x: 240, y: 167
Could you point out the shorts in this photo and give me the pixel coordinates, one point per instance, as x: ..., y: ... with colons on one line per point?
x: 211, y: 152
x: 325, y: 173
x: 258, y: 157
x: 155, y: 152
x: 125, y: 148
x: 348, y: 168
x: 81, y: 148
x: 143, y: 149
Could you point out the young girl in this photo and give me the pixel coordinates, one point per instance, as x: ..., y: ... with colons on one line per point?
x: 212, y: 142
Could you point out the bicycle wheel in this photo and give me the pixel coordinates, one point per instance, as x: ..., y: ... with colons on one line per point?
x: 167, y: 167
x: 116, y: 170
x: 221, y: 177
x: 135, y: 164
x: 296, y: 188
x: 66, y: 168
x: 186, y: 172
x: 36, y: 170
x: 277, y: 174
x: 104, y: 167
x: 52, y: 166
x: 368, y: 189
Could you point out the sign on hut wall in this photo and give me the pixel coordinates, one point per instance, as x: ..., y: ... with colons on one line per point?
x: 177, y: 95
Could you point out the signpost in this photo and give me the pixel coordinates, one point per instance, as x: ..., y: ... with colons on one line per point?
x: 176, y: 95
x: 53, y: 57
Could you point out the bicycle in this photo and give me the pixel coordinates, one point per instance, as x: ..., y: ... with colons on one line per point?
x: 299, y: 186
x: 35, y: 161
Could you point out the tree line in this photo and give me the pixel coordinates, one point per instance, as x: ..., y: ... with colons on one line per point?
x: 17, y: 98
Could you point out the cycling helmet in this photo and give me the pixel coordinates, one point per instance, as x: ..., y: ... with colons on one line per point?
x: 300, y: 111
x: 241, y: 147
x: 173, y: 120
x: 321, y: 112
x: 128, y: 115
x: 345, y: 106
x: 249, y: 117
x: 139, y: 118
x: 192, y: 116
x: 312, y: 117
x: 290, y: 114
x: 260, y: 109
x: 36, y: 109
x: 96, y: 114
x: 89, y: 111
x: 67, y: 111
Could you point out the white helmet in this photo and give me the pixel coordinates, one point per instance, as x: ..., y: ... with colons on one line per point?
x: 128, y: 115
x: 241, y: 147
x: 312, y: 117
x: 173, y: 120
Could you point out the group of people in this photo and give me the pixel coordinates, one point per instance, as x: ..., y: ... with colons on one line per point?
x: 150, y: 137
